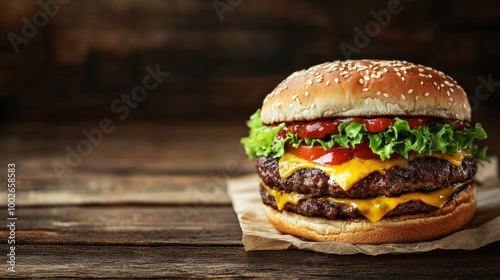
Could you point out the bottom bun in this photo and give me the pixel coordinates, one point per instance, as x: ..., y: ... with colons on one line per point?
x: 455, y: 214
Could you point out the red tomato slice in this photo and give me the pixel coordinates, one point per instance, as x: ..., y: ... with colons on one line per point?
x: 282, y: 133
x: 363, y: 151
x: 333, y: 156
x: 317, y: 154
x: 459, y: 125
x: 416, y: 122
x: 319, y: 129
x: 378, y: 124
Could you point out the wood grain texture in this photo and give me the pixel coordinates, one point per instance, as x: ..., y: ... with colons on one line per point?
x: 136, y: 163
x: 193, y: 223
x: 52, y: 261
x: 132, y: 147
x: 223, y: 63
x: 84, y: 188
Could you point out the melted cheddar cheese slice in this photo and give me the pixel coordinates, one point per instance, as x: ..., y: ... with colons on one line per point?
x: 372, y: 208
x: 350, y: 172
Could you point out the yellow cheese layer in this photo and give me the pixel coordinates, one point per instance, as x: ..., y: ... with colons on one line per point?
x: 350, y: 172
x: 372, y: 208
x: 283, y: 198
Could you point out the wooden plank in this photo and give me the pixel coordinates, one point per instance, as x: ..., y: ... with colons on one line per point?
x: 136, y: 163
x: 52, y: 261
x: 197, y: 224
x: 84, y: 188
x: 131, y: 147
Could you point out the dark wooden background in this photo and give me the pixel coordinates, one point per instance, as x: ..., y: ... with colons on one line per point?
x: 92, y: 51
x: 150, y: 199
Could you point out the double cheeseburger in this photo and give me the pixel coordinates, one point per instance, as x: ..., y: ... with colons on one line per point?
x: 366, y: 151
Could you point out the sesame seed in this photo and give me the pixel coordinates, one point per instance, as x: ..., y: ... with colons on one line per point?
x: 421, y: 70
x: 416, y: 97
x: 410, y: 91
x: 403, y: 79
x: 448, y: 83
x: 294, y: 96
x: 313, y: 105
x: 366, y: 77
x: 448, y: 92
x: 309, y: 82
x: 385, y: 95
x: 450, y: 99
x: 421, y: 82
x: 385, y: 70
x: 327, y: 82
x: 426, y: 94
x: 291, y: 105
x: 365, y: 89
x: 306, y: 93
x: 403, y: 97
x: 361, y: 81
x: 336, y: 80
x: 277, y: 104
x: 378, y: 92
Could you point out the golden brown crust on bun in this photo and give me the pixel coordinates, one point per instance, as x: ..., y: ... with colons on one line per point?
x: 356, y: 88
x: 455, y: 214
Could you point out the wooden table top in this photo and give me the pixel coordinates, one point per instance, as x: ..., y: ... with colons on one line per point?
x: 150, y: 201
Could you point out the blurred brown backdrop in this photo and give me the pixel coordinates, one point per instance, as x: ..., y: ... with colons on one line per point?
x: 223, y: 56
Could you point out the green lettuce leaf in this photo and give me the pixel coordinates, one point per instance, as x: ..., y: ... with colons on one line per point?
x: 399, y: 138
x: 263, y: 140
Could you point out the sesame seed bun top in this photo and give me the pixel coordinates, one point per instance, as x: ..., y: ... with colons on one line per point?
x: 366, y: 88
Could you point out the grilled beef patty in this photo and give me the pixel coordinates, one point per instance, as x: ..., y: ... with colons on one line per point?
x: 315, y: 207
x: 421, y: 174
